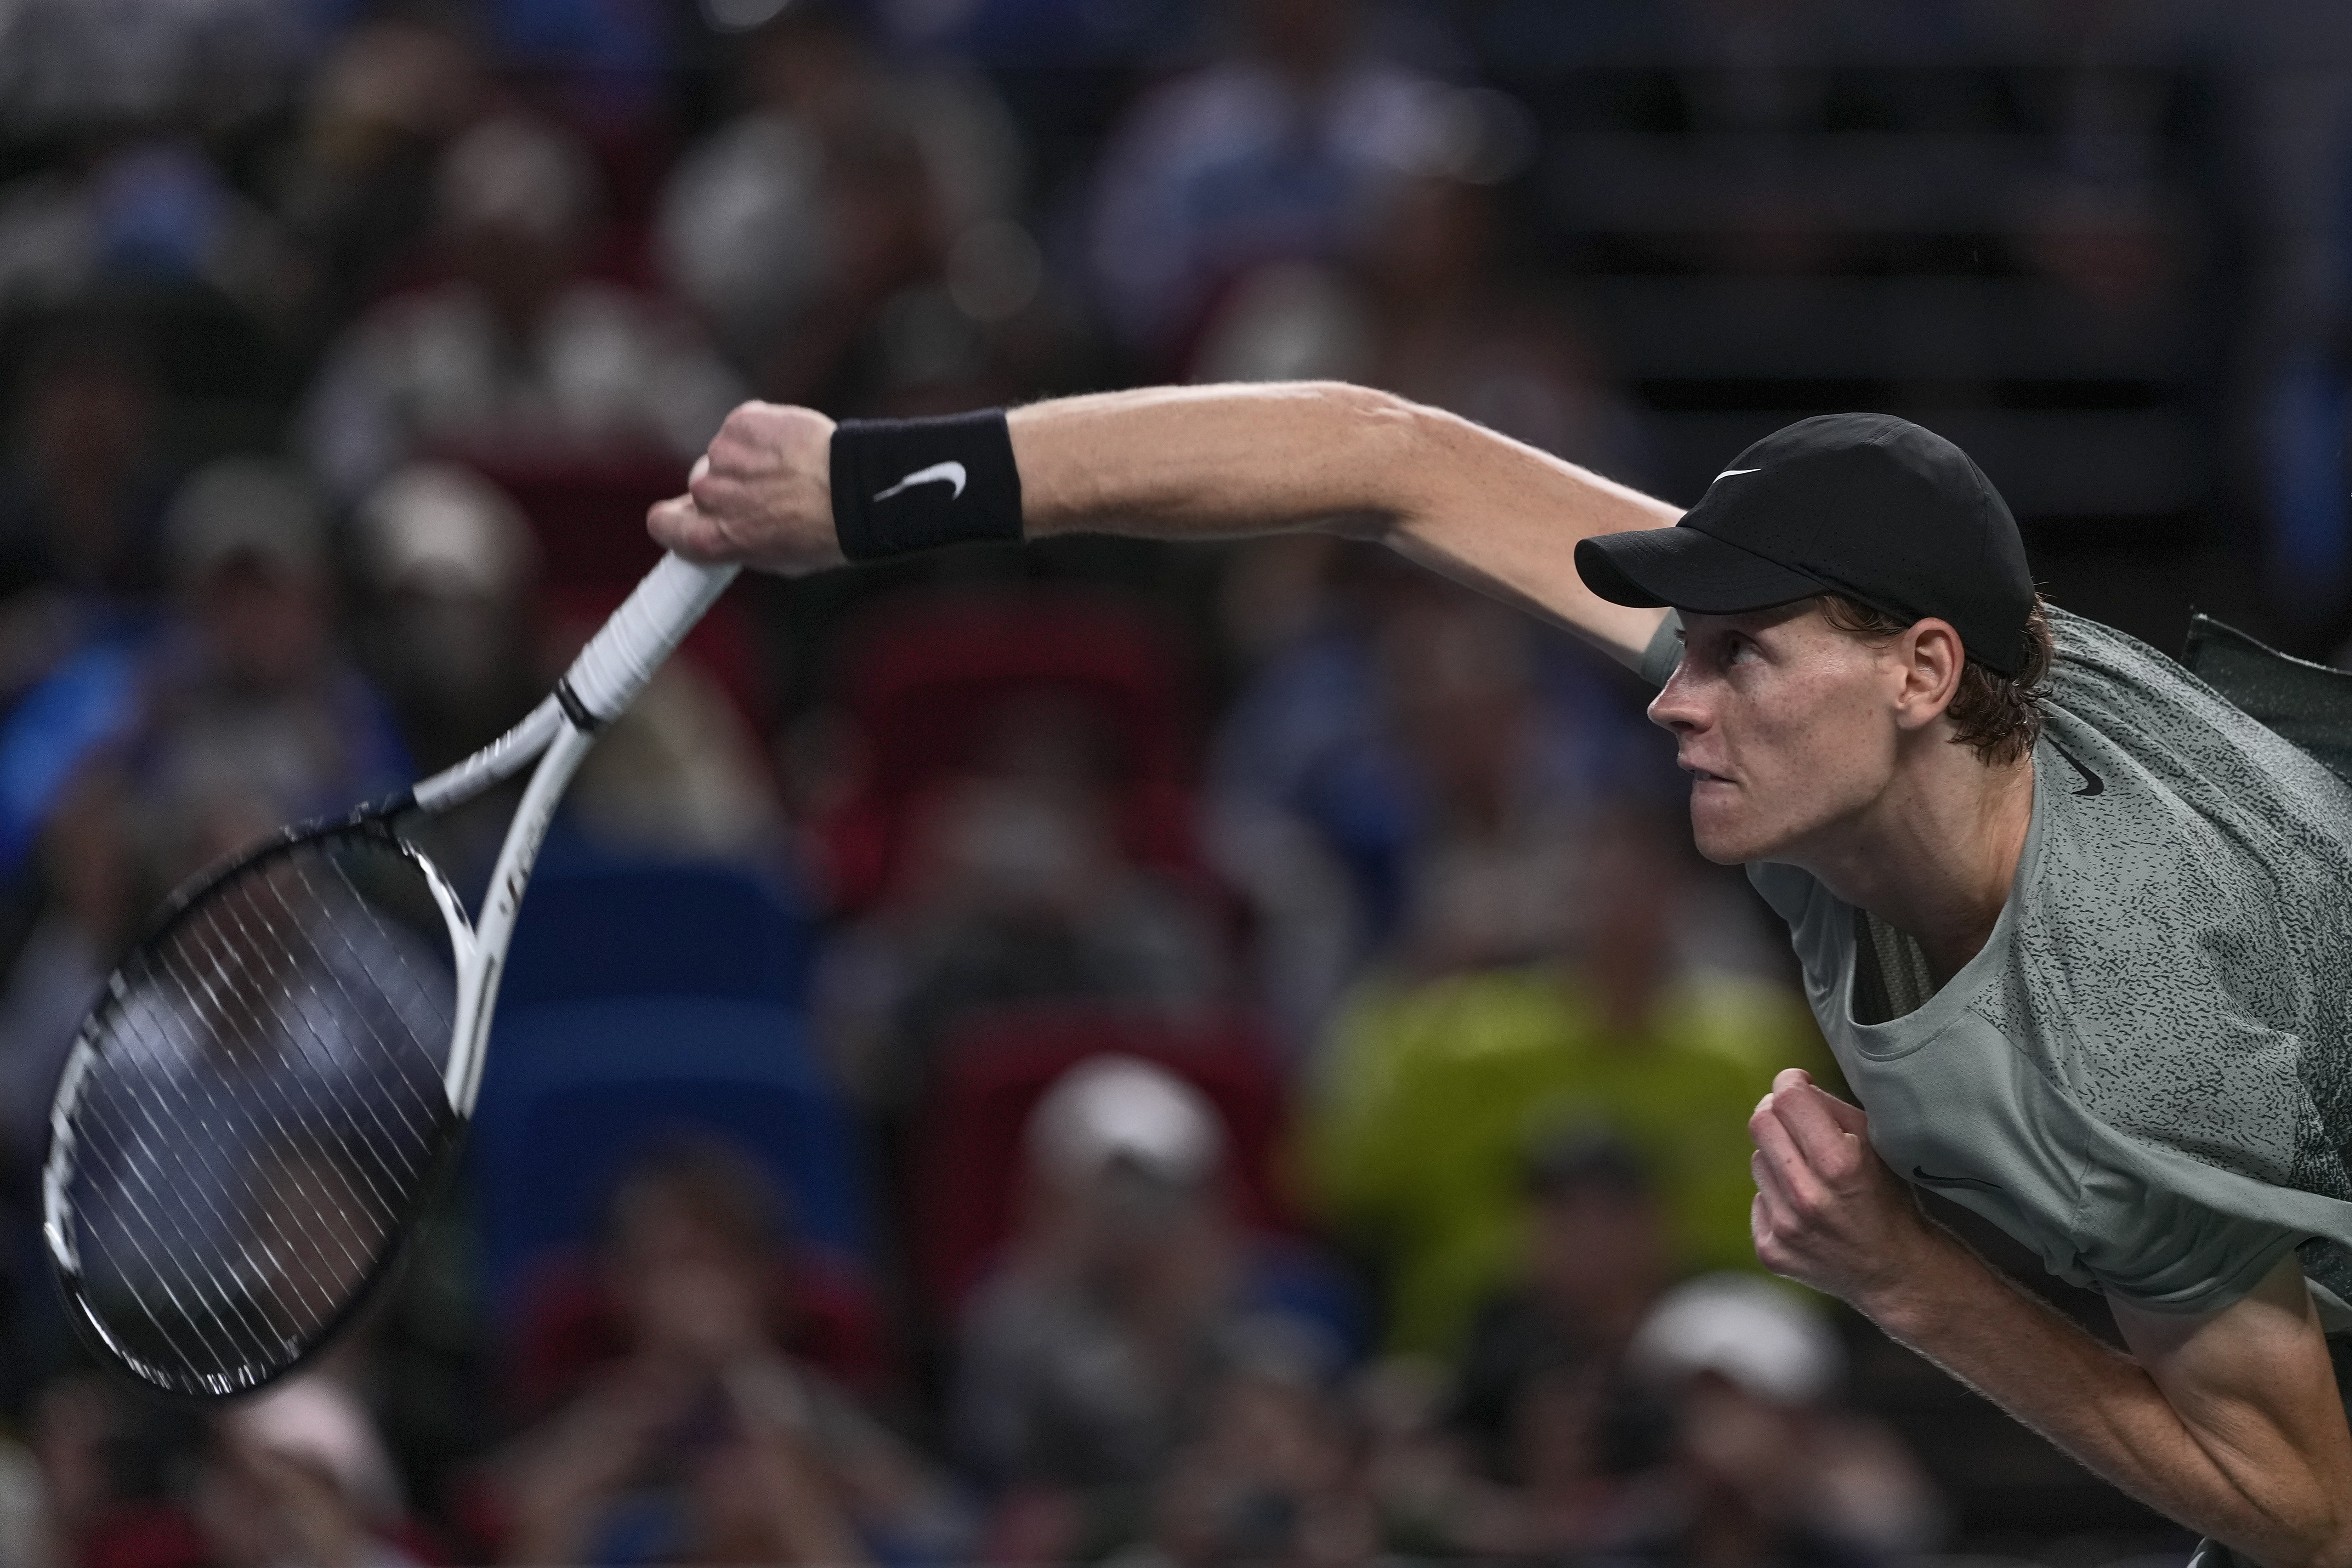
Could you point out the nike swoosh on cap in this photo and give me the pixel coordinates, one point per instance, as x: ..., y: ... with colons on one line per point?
x: 936, y: 474
x: 1729, y: 472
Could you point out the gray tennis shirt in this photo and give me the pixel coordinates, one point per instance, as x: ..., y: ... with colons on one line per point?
x: 2145, y: 1075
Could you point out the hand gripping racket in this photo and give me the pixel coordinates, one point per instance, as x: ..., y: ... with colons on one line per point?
x: 269, y: 1089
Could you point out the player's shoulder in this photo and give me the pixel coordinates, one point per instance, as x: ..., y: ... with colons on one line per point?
x: 2176, y: 735
x: 2085, y: 651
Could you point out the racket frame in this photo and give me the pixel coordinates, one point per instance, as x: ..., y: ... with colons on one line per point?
x: 603, y: 680
x: 375, y: 823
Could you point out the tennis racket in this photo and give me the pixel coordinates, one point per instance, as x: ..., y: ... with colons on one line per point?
x: 269, y: 1088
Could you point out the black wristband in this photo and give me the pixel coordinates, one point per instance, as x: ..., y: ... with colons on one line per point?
x: 902, y: 485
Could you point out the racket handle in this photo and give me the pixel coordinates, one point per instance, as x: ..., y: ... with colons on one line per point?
x: 626, y: 650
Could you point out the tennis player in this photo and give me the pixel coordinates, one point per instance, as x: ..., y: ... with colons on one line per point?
x: 2078, y: 931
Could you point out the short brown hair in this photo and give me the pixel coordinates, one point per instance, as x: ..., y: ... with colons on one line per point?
x: 1999, y: 716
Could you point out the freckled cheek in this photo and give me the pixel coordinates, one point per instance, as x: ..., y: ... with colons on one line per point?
x: 1833, y: 741
x: 1797, y: 748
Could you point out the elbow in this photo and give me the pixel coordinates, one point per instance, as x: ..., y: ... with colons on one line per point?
x: 2320, y: 1537
x: 2333, y: 1545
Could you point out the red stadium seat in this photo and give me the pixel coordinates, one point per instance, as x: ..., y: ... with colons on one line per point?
x: 568, y: 1326
x: 589, y: 519
x: 968, y: 1171
x: 930, y: 674
x: 722, y: 645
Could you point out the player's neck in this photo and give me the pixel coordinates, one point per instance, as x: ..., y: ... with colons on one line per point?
x: 1936, y: 856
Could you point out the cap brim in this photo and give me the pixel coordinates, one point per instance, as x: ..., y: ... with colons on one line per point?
x: 1683, y: 569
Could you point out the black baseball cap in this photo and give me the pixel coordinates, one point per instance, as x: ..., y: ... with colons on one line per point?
x: 1865, y: 505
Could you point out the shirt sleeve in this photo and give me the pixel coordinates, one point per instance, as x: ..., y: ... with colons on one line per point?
x: 1966, y: 1115
x: 2145, y: 1241
x: 1665, y: 652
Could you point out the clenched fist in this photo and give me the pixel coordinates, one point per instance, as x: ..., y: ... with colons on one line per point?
x: 1828, y: 1211
x: 761, y: 496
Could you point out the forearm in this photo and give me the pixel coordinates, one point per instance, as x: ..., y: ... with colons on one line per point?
x: 1199, y: 463
x: 2246, y: 1486
x: 1184, y: 463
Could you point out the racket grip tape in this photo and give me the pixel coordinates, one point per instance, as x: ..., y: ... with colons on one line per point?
x: 645, y: 630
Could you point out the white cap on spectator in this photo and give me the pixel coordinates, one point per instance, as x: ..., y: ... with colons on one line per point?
x: 245, y: 507
x: 1112, y: 1110
x: 1750, y: 1330
x: 315, y: 1422
x: 442, y: 528
x: 520, y: 172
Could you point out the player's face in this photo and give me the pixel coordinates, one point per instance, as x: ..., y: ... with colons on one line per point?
x: 1785, y: 725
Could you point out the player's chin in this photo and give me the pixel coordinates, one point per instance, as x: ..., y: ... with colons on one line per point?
x: 1723, y: 826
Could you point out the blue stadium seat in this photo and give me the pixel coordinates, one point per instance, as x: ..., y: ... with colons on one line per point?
x: 574, y: 1091
x: 595, y: 925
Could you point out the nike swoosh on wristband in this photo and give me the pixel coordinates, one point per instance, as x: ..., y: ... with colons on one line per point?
x: 2092, y: 783
x: 936, y: 474
x: 1918, y: 1175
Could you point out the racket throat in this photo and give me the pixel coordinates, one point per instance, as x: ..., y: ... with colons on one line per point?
x: 483, y: 958
x: 576, y: 710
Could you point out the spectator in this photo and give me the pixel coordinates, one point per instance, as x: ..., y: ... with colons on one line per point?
x: 521, y: 357
x: 356, y: 186
x: 1495, y: 784
x: 1430, y: 1094
x: 1454, y: 329
x: 1405, y: 776
x: 112, y: 1472
x: 448, y: 626
x: 149, y: 215
x: 81, y: 498
x: 74, y: 65
x: 1015, y: 888
x: 820, y: 230
x: 1767, y: 1468
x: 696, y: 1203
x: 1298, y: 615
x: 299, y: 1474
x: 1125, y: 1293
x: 136, y: 765
x: 251, y: 715
x: 28, y: 1536
x: 1272, y: 1471
x: 708, y: 1440
x: 681, y: 775
x: 449, y: 574
x: 1281, y: 151
x: 1431, y: 299
x: 1597, y: 1255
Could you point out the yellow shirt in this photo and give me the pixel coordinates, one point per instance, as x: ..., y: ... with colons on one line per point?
x: 1429, y: 1101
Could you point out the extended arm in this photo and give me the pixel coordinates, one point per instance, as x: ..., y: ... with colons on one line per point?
x: 1220, y: 462
x: 2228, y: 1422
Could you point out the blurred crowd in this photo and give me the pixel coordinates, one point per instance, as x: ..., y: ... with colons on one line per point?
x: 1101, y: 1053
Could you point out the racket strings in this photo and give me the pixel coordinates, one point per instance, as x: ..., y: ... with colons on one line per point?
x: 300, y: 1275
x: 263, y: 1112
x: 207, y: 940
x: 323, y: 1057
x: 155, y: 1226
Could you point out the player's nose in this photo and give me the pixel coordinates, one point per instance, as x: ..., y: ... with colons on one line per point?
x: 1676, y: 708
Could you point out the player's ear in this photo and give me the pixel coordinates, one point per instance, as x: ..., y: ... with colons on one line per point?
x: 1932, y: 659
